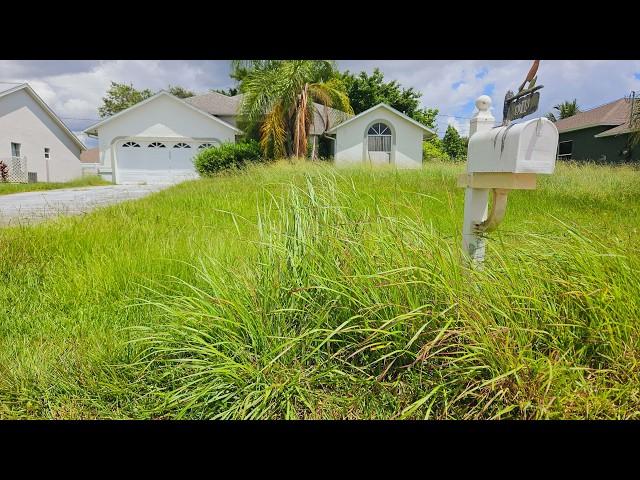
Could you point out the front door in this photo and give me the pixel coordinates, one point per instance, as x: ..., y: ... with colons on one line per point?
x: 379, y: 140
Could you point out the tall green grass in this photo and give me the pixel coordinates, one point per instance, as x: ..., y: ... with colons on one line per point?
x: 351, y: 313
x: 301, y: 291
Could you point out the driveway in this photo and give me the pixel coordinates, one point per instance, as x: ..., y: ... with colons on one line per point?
x: 33, y: 207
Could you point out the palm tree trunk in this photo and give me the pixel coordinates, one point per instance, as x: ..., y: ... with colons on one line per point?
x: 300, y: 132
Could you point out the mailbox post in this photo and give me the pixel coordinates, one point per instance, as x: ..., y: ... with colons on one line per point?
x: 500, y: 159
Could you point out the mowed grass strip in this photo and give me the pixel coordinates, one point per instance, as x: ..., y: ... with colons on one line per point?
x: 301, y: 291
x: 88, y: 181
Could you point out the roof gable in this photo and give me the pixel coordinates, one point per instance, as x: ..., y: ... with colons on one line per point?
x: 92, y: 128
x: 390, y: 109
x: 27, y: 88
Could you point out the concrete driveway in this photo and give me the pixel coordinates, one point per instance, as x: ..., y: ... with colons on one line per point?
x: 33, y: 207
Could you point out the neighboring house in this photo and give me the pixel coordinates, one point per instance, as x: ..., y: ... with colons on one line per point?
x: 600, y: 134
x: 90, y: 162
x: 91, y: 155
x: 380, y: 135
x: 155, y: 140
x: 34, y: 142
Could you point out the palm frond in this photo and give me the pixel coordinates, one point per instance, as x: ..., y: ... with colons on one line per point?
x: 273, y: 133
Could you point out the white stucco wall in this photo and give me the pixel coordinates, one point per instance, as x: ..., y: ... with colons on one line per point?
x: 162, y: 117
x: 24, y: 121
x: 406, y: 141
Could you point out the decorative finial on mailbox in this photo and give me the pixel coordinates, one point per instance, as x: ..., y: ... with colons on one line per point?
x: 483, y: 103
x: 482, y: 119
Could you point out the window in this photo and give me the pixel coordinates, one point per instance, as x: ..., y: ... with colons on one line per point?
x: 131, y: 145
x: 46, y: 152
x: 182, y: 145
x: 379, y: 138
x: 205, y: 145
x: 565, y: 149
x: 157, y: 145
x: 15, y: 149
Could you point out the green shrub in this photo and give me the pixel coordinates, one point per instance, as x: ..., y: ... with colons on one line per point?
x: 4, y: 172
x: 434, y: 150
x: 227, y: 155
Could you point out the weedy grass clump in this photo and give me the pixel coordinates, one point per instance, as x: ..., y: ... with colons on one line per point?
x: 351, y: 312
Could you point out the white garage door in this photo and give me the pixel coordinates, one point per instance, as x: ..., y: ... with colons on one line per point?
x: 156, y: 162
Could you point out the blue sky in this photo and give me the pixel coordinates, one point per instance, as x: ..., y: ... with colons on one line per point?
x: 74, y: 88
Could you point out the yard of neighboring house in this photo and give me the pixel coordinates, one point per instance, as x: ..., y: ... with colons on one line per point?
x: 8, y: 188
x: 305, y: 291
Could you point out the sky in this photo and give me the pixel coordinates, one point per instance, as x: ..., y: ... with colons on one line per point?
x: 74, y: 88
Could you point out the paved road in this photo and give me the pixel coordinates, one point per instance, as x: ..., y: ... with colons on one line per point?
x: 33, y: 207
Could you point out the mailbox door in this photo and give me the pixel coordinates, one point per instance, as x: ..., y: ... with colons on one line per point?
x: 537, y: 147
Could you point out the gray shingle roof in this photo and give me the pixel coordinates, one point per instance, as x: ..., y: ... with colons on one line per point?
x: 322, y: 114
x: 619, y: 130
x: 219, y: 104
x: 613, y: 113
x: 215, y: 103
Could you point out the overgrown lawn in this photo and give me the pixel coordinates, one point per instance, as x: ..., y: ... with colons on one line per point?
x: 302, y: 291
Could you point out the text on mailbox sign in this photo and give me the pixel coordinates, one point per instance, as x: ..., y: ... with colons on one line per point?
x: 523, y: 106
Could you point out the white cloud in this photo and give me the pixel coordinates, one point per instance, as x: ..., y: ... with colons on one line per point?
x: 591, y: 82
x: 78, y: 94
x: 74, y: 89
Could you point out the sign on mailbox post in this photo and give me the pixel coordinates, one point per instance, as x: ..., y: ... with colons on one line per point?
x: 503, y: 158
x: 523, y: 104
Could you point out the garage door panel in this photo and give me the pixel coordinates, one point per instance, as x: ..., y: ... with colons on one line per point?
x: 182, y: 158
x: 145, y: 164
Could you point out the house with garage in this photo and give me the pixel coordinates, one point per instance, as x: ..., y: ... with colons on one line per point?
x: 155, y: 140
x: 380, y: 136
x: 34, y: 143
x: 601, y: 134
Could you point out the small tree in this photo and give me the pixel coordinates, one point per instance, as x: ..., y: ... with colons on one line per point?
x: 454, y: 144
x: 121, y: 96
x: 433, y: 149
x: 230, y: 92
x: 4, y: 172
x: 180, y: 92
x: 366, y: 91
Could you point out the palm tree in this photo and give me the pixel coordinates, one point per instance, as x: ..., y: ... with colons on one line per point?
x: 279, y: 96
x: 565, y: 109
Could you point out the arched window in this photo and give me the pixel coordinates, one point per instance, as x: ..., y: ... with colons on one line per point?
x: 157, y: 145
x: 131, y: 145
x: 205, y: 145
x: 379, y: 138
x: 182, y: 145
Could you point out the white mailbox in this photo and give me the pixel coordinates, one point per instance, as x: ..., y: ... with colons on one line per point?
x: 527, y: 147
